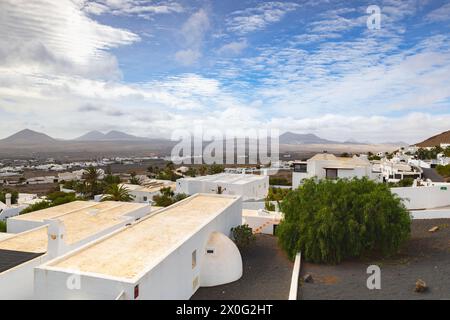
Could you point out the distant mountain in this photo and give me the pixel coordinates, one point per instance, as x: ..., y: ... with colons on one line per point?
x: 110, y: 136
x: 436, y: 140
x: 297, y: 138
x: 28, y: 136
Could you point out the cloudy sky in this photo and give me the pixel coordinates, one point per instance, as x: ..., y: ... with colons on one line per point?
x: 150, y: 67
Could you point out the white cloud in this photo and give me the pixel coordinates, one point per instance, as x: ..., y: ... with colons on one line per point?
x: 257, y: 18
x: 440, y: 14
x: 193, y: 33
x: 140, y: 8
x: 233, y: 48
x: 55, y: 36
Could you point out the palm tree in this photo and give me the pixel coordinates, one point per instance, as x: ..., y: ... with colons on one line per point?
x: 117, y: 193
x: 91, y: 176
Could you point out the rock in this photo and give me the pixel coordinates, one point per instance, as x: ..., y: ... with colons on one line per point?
x: 308, y: 278
x: 434, y: 229
x: 421, y: 286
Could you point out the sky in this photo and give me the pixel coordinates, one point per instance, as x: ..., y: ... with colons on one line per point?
x: 152, y: 67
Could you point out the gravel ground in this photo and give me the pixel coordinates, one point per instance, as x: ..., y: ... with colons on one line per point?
x: 425, y: 256
x: 266, y: 275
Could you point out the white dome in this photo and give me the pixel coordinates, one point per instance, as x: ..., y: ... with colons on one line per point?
x: 222, y: 261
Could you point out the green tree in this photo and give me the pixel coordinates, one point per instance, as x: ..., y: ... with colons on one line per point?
x: 14, y: 195
x: 134, y: 179
x: 216, y: 168
x: 203, y: 169
x: 243, y: 235
x: 329, y: 221
x: 269, y: 206
x: 191, y: 172
x: 167, y: 197
x: 117, y: 193
x: 92, y: 186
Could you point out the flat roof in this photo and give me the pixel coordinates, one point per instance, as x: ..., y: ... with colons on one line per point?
x: 54, y: 212
x: 29, y: 241
x: 79, y: 224
x: 235, y: 178
x: 127, y: 253
x: 151, y: 187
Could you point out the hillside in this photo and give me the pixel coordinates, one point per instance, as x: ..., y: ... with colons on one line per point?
x: 436, y: 140
x: 28, y: 136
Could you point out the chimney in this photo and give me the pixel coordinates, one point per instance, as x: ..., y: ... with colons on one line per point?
x: 8, y: 199
x: 56, y: 232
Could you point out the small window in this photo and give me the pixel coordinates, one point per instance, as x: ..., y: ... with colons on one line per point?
x: 145, y: 198
x: 210, y: 251
x: 194, y: 259
x: 136, y: 291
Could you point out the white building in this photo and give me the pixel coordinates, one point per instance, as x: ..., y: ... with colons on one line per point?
x: 24, y: 200
x: 46, y: 234
x: 394, y: 171
x: 261, y: 221
x: 145, y: 193
x: 250, y: 187
x: 167, y: 255
x: 327, y: 165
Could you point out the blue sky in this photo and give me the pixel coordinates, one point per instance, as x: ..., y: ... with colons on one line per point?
x: 150, y: 67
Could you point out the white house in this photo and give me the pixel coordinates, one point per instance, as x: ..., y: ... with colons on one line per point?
x: 46, y: 234
x: 327, y: 165
x: 24, y: 200
x: 145, y: 193
x: 394, y: 171
x: 167, y: 255
x: 249, y: 186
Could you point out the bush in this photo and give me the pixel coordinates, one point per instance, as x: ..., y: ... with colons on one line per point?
x: 36, y: 206
x: 407, y: 182
x: 2, y: 226
x: 53, y: 199
x: 167, y: 197
x: 277, y: 194
x: 243, y: 235
x: 443, y: 170
x: 269, y: 206
x: 279, y: 181
x: 14, y: 195
x: 329, y: 221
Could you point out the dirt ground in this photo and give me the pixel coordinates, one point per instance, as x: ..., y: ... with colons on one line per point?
x: 267, y: 275
x: 425, y: 256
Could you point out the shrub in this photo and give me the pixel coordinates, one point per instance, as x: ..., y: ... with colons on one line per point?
x: 443, y: 170
x: 277, y: 194
x: 243, y: 235
x: 279, y: 181
x: 14, y: 195
x: 167, y: 197
x: 36, y: 206
x: 2, y: 226
x: 269, y: 206
x: 329, y: 221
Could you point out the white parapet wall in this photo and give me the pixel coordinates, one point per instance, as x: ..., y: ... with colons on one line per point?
x: 430, y: 197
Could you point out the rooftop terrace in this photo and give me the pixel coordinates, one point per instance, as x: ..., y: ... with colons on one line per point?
x: 128, y: 252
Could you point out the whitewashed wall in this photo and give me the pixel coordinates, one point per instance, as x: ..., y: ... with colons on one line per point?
x: 424, y: 197
x: 17, y: 283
